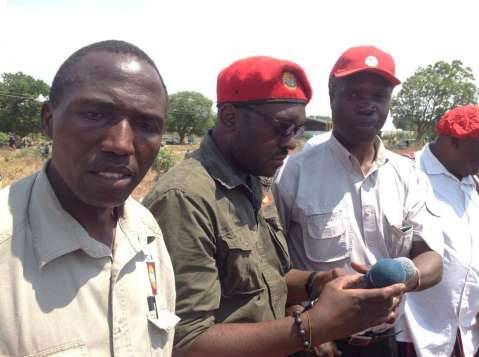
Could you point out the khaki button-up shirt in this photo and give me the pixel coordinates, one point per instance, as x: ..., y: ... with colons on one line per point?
x: 227, y: 247
x: 334, y: 214
x: 63, y: 293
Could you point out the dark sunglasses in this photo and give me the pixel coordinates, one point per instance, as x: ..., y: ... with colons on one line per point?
x: 283, y: 128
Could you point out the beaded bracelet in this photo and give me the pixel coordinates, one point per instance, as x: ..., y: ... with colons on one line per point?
x: 301, y: 331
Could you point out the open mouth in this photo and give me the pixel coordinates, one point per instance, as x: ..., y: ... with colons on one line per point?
x: 112, y: 175
x: 117, y: 177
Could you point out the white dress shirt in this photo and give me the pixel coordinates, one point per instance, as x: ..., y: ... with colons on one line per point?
x: 434, y: 315
x: 334, y: 214
x: 317, y: 139
x: 63, y: 293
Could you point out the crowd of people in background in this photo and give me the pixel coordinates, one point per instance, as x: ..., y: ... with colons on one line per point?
x: 241, y: 249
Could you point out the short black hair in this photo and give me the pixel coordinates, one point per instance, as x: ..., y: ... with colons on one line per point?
x: 332, y: 82
x: 66, y: 73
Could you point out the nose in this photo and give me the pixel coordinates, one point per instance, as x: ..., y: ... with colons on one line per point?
x: 119, y: 138
x: 366, y: 105
x: 288, y: 143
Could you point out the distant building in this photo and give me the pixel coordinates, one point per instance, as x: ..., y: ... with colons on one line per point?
x: 318, y: 123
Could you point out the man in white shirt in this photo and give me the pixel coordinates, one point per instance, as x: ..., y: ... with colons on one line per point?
x: 84, y: 270
x: 317, y: 139
x: 349, y: 199
x: 436, y: 316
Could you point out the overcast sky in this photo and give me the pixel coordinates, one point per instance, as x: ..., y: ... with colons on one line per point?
x: 192, y: 40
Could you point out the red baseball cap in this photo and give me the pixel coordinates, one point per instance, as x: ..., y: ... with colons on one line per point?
x: 366, y: 58
x: 461, y: 122
x: 263, y: 79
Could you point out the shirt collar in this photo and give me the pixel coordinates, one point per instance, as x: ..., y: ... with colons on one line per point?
x: 56, y: 233
x: 432, y: 166
x: 343, y: 154
x: 221, y: 171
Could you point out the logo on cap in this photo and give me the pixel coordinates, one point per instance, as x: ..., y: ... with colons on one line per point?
x: 371, y: 61
x: 289, y: 80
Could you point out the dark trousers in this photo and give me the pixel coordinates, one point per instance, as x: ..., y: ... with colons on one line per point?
x: 386, y: 347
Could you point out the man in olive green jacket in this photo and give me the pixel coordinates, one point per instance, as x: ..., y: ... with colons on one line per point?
x: 232, y: 268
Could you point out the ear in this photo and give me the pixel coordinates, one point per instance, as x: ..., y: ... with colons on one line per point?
x: 228, y: 116
x: 47, y: 119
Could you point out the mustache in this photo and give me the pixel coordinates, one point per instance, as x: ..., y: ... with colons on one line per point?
x: 108, y: 166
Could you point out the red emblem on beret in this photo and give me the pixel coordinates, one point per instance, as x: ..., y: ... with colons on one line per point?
x: 263, y: 79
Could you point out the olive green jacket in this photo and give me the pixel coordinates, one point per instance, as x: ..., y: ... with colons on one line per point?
x: 228, y: 250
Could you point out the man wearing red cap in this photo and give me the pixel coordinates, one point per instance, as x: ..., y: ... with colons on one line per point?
x: 436, y: 316
x: 348, y: 199
x: 231, y: 262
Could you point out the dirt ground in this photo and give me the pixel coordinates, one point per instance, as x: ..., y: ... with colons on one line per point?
x: 15, y: 164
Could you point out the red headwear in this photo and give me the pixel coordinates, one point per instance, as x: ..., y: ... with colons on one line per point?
x: 263, y: 79
x: 461, y: 122
x: 365, y: 58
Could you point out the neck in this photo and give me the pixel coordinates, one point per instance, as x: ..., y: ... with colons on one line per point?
x: 223, y: 142
x: 99, y: 222
x: 443, y: 153
x: 364, y: 152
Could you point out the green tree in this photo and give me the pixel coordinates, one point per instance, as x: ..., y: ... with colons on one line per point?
x: 19, y: 103
x: 164, y: 161
x: 429, y: 93
x: 189, y: 113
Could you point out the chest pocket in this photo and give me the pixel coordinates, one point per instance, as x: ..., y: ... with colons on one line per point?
x: 279, y: 241
x: 161, y: 328
x: 325, y: 237
x: 398, y: 234
x: 239, y: 272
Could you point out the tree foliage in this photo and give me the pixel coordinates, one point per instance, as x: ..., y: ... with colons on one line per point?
x: 19, y: 105
x: 429, y: 93
x: 189, y: 113
x: 164, y: 161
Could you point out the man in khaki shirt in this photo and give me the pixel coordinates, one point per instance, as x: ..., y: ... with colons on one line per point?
x: 83, y: 268
x: 348, y: 199
x: 232, y: 268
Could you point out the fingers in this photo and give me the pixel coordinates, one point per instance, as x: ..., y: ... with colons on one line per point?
x: 386, y: 293
x: 360, y: 268
x: 395, y: 290
x: 337, y: 272
x: 327, y: 349
x: 347, y: 281
x: 396, y: 302
x: 292, y: 308
x: 391, y: 318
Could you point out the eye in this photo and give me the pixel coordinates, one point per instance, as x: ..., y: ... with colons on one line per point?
x: 352, y: 95
x: 93, y: 115
x: 150, y: 124
x: 380, y: 97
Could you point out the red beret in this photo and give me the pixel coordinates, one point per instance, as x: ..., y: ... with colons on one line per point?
x: 461, y: 122
x: 263, y: 79
x: 366, y: 58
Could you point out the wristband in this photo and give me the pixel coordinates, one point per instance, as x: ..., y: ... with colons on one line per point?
x: 298, y: 322
x: 309, y: 285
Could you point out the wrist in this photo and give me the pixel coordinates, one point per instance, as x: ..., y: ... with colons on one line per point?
x: 417, y: 282
x: 310, y: 286
x: 302, y: 325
